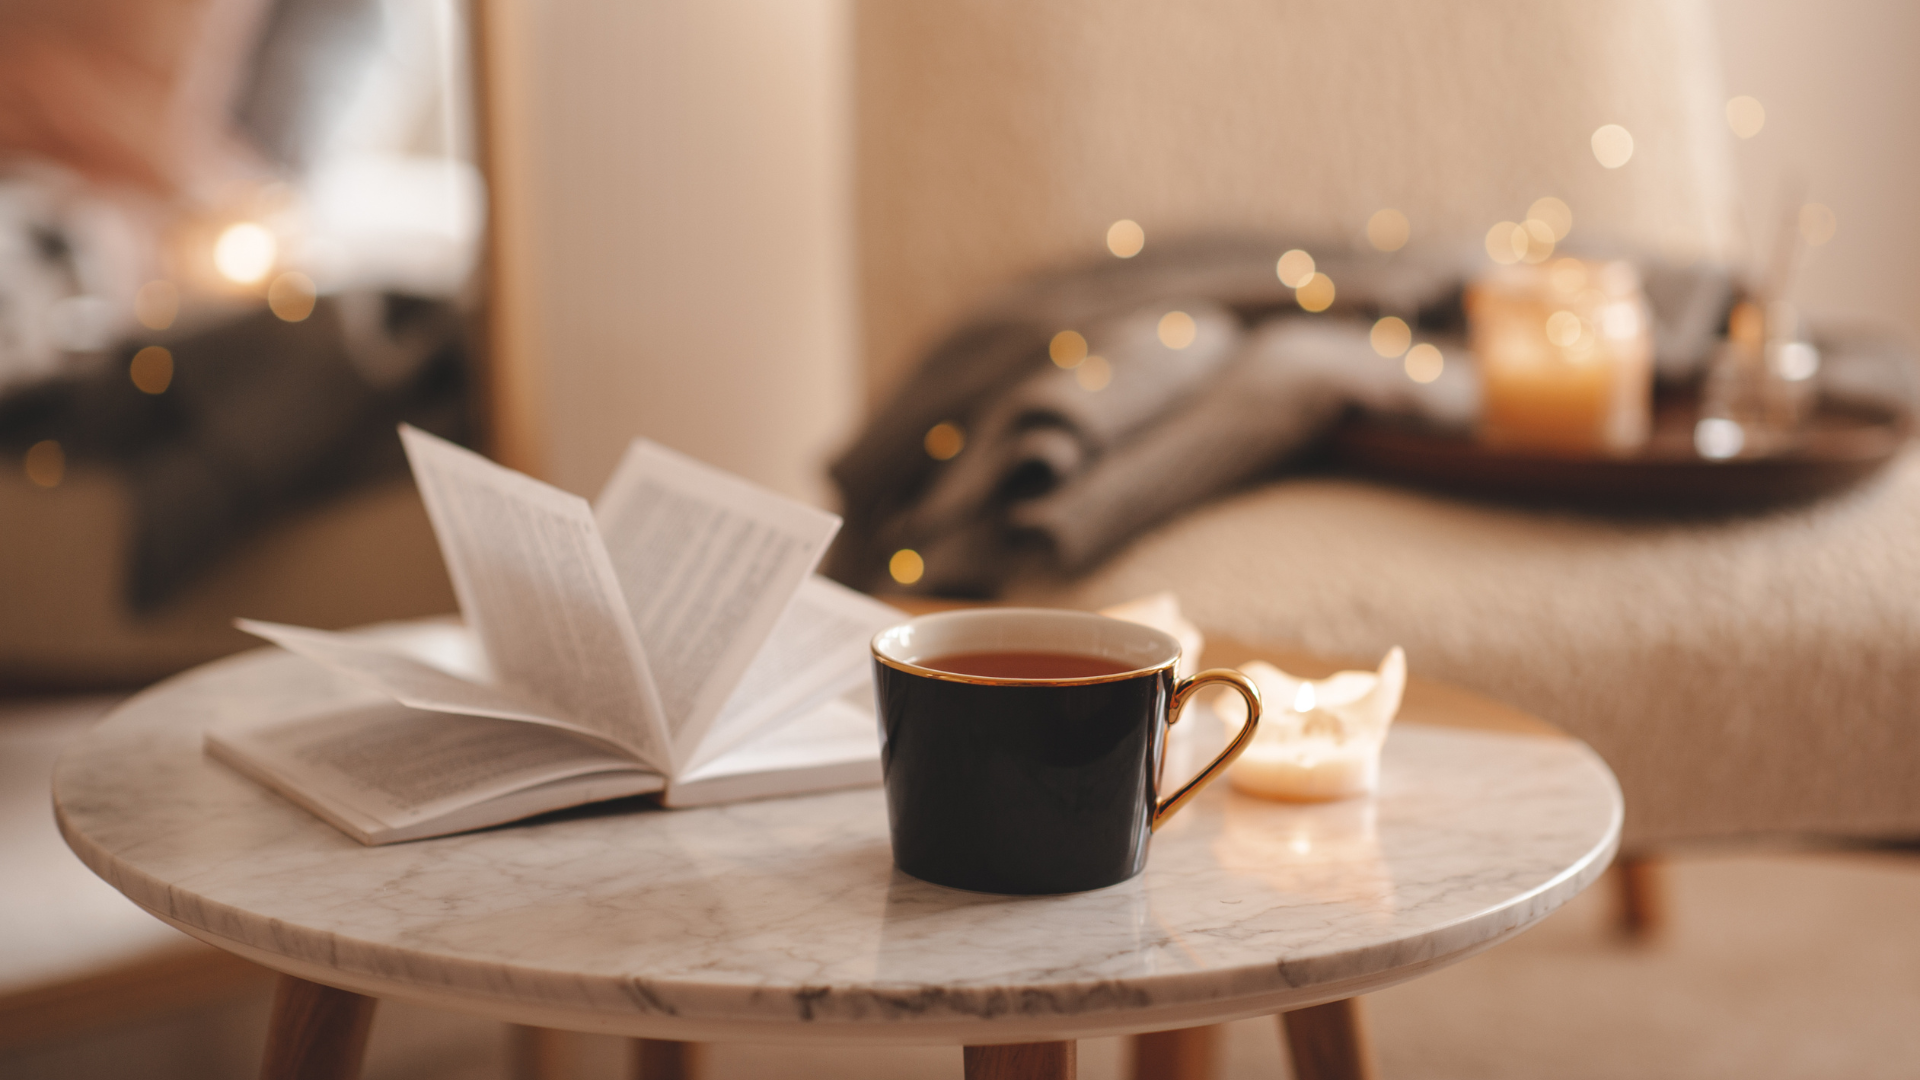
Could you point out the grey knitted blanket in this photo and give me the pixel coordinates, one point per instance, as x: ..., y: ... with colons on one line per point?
x: 1057, y: 470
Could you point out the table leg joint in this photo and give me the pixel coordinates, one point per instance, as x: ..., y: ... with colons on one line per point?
x: 1022, y: 1061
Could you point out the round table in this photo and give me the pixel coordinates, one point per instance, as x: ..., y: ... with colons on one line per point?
x: 785, y: 920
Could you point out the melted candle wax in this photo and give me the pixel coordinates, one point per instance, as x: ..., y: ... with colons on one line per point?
x: 1320, y: 739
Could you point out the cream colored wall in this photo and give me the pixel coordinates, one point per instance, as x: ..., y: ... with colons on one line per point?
x: 686, y: 232
x: 1842, y: 93
x: 1000, y: 136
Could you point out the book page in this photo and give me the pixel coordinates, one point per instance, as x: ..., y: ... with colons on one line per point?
x: 707, y: 562
x: 384, y: 666
x: 834, y: 745
x: 536, y: 587
x: 818, y: 650
x: 386, y: 766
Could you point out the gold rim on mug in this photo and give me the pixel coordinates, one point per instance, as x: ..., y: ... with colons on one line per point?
x: 999, y: 680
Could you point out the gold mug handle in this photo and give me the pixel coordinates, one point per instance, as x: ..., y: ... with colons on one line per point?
x: 1182, y: 693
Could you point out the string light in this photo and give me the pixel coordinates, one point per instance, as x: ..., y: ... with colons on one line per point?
x: 1746, y: 116
x: 1125, y: 238
x: 1177, y: 330
x: 156, y: 305
x: 151, y: 370
x: 1500, y: 246
x: 46, y: 464
x: 1295, y: 268
x: 1538, y: 239
x: 1317, y: 294
x: 1390, y: 336
x: 1563, y: 328
x: 906, y: 566
x: 1387, y: 230
x: 1093, y: 374
x: 1067, y: 348
x: 944, y: 440
x: 291, y: 296
x: 1612, y: 145
x: 1425, y: 363
x: 1554, y: 214
x: 245, y: 252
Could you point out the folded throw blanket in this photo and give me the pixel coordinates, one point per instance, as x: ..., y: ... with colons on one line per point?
x: 1056, y: 469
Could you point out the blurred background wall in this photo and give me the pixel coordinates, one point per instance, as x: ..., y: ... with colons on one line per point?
x: 1842, y: 99
x: 686, y: 222
x: 1290, y: 117
x: 691, y: 195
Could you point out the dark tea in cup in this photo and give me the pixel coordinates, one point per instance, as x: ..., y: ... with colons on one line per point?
x: 1023, y: 664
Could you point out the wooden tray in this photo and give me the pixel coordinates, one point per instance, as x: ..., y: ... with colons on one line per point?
x: 1839, y: 447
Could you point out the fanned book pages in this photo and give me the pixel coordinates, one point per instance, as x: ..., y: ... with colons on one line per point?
x: 669, y: 639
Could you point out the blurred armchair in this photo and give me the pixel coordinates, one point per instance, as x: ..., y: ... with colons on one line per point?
x: 1744, y: 677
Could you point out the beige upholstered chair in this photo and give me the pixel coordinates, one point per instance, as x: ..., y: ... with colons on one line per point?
x: 1743, y: 678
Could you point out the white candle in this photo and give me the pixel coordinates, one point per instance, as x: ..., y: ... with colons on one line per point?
x: 1318, y: 739
x: 1308, y: 770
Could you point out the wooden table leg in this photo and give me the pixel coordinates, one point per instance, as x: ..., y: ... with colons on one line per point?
x: 317, y: 1032
x: 1643, y: 905
x: 662, y: 1059
x: 1181, y: 1054
x: 1329, y: 1042
x: 1023, y: 1061
x: 541, y: 1054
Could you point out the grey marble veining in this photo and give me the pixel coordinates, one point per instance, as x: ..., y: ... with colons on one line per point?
x: 785, y: 919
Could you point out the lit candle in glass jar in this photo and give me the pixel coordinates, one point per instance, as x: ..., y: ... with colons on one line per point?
x: 1565, y: 350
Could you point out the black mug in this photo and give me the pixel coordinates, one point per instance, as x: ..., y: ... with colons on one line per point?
x: 1032, y: 785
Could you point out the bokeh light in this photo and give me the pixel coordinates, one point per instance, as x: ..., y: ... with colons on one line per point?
x: 1612, y: 145
x: 156, y: 305
x: 1500, y: 243
x: 1177, y: 330
x: 1746, y: 116
x: 1125, y: 238
x: 291, y: 296
x: 1425, y: 363
x: 1719, y: 438
x: 1390, y: 336
x: 1067, y: 348
x: 245, y: 252
x: 1538, y: 238
x: 1295, y: 268
x: 1316, y: 294
x: 1798, y: 361
x: 1568, y: 275
x: 944, y: 440
x: 1093, y: 374
x: 1563, y: 328
x: 1388, y: 229
x: 151, y: 369
x: 46, y: 464
x: 906, y: 566
x: 1554, y: 214
x: 1817, y: 224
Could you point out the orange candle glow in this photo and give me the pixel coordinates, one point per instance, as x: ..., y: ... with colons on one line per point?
x: 1566, y: 356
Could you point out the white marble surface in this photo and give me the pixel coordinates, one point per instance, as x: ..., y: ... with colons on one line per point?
x: 785, y: 919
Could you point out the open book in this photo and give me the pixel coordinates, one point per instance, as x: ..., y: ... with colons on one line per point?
x: 671, y: 638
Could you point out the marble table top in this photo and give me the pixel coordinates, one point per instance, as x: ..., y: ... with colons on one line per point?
x: 785, y: 919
